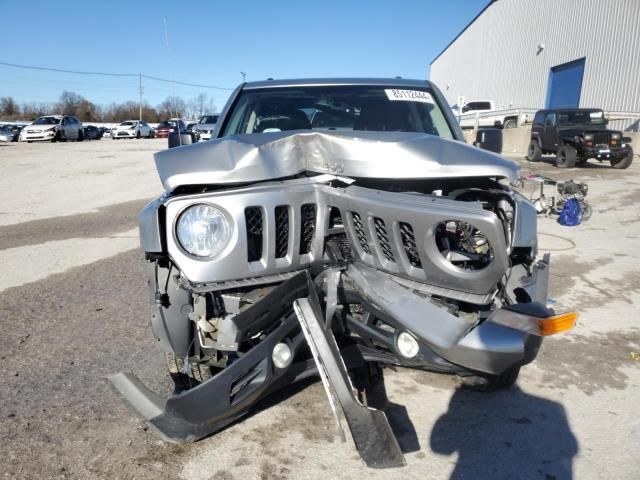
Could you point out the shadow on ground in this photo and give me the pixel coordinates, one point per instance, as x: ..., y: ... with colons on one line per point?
x: 505, y: 435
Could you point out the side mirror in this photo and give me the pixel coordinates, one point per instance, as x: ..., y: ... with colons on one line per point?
x: 489, y: 139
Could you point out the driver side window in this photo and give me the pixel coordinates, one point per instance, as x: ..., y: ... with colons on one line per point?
x: 550, y: 121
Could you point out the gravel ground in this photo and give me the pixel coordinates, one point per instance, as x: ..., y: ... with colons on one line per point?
x: 73, y: 307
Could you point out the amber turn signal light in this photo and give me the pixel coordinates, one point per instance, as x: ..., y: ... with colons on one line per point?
x: 557, y: 323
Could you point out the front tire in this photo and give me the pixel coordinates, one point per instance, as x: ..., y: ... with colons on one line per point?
x: 534, y: 153
x: 491, y: 383
x: 138, y: 134
x: 510, y: 123
x: 80, y: 136
x: 566, y: 157
x: 625, y: 161
x: 185, y: 380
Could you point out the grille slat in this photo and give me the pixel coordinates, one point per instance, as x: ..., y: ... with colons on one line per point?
x: 255, y: 225
x: 601, y: 138
x: 282, y: 231
x: 383, y: 238
x: 409, y: 244
x: 362, y: 238
x: 307, y: 227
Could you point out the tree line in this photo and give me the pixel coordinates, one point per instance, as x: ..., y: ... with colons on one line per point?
x: 71, y: 103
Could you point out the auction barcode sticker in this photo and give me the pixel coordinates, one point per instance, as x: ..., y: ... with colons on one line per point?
x: 408, y: 95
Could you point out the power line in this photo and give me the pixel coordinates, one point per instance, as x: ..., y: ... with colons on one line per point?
x: 107, y: 74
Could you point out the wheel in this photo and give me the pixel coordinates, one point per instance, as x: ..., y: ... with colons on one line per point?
x: 491, y: 383
x: 113, y: 138
x: 138, y: 134
x: 510, y: 123
x: 197, y: 374
x: 534, y: 154
x: 587, y: 211
x: 625, y: 161
x: 566, y: 157
x: 80, y: 136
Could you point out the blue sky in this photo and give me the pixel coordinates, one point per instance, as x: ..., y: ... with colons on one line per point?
x: 212, y: 42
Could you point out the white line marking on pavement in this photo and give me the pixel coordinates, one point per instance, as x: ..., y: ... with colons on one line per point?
x: 28, y: 264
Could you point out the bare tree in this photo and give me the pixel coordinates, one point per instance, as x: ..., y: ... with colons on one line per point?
x: 32, y: 110
x: 69, y: 103
x: 172, y: 106
x: 200, y: 105
x: 9, y: 107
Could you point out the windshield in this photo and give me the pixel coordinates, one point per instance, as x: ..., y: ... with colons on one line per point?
x: 581, y: 118
x: 46, y: 121
x: 209, y: 119
x: 341, y: 108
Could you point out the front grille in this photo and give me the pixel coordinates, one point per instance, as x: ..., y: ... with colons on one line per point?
x: 362, y: 238
x: 409, y: 244
x: 254, y: 222
x: 308, y: 227
x: 602, y: 138
x: 282, y: 231
x: 383, y: 239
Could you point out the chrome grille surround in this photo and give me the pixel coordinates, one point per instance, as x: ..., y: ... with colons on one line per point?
x: 423, y: 213
x: 233, y: 263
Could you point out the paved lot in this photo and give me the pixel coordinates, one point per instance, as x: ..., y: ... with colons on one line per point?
x: 73, y: 309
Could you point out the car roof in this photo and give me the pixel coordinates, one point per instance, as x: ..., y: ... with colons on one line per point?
x: 298, y: 82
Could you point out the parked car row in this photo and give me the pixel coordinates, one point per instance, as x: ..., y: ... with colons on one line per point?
x: 55, y: 128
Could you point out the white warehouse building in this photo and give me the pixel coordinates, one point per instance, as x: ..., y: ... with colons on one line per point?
x: 548, y: 54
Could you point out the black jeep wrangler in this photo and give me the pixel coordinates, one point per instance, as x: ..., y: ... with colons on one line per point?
x: 575, y: 135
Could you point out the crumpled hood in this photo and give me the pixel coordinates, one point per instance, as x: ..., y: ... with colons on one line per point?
x: 268, y: 156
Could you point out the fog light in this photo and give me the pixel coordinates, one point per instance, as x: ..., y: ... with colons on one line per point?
x: 407, y: 345
x: 282, y: 355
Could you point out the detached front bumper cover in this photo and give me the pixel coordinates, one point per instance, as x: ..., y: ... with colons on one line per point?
x: 505, y: 339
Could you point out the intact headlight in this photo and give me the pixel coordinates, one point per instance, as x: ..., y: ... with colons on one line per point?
x: 203, y: 230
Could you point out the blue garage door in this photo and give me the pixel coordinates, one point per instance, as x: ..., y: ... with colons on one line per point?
x: 565, y: 85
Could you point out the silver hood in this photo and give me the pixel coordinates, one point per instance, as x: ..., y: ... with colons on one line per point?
x: 268, y: 156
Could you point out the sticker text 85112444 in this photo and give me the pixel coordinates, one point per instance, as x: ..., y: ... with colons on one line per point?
x: 408, y: 95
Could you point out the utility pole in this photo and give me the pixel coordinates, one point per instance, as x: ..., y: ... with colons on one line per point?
x: 140, y: 113
x: 244, y: 76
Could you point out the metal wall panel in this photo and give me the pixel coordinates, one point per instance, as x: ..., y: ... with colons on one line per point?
x: 497, y: 56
